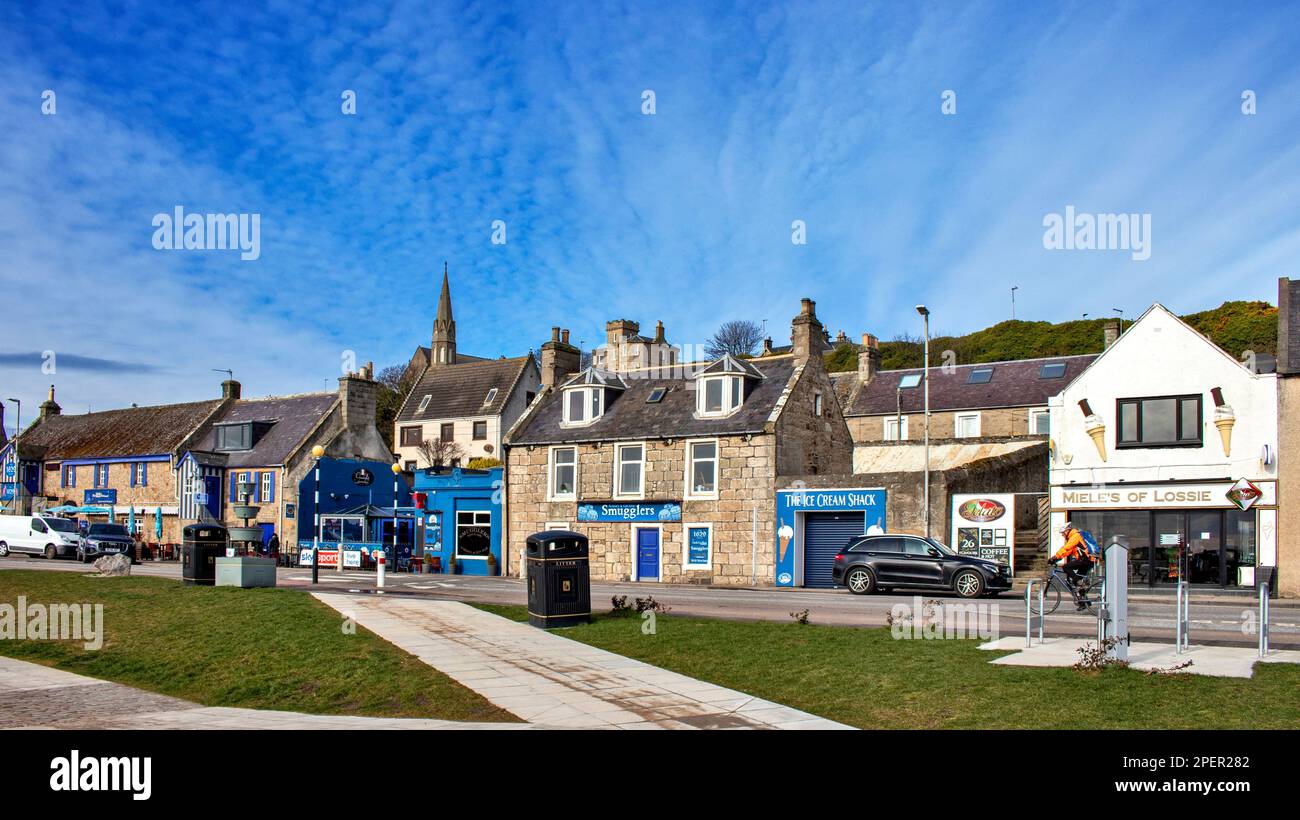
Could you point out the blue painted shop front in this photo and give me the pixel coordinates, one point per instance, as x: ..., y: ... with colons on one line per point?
x: 462, y: 518
x: 356, y: 513
x: 812, y: 526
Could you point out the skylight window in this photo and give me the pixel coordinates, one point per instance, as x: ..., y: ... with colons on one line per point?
x: 424, y: 403
x: 656, y: 395
x: 909, y: 380
x: 1052, y: 370
x: 492, y: 394
x: 980, y: 375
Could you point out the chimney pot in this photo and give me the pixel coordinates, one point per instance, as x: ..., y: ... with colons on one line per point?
x: 564, y: 335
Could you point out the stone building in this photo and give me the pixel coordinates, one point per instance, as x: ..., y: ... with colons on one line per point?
x: 468, y: 400
x: 1288, y: 429
x: 182, y: 461
x: 671, y: 471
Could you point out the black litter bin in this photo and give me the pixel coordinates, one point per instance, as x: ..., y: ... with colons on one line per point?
x: 559, y: 579
x: 203, y: 545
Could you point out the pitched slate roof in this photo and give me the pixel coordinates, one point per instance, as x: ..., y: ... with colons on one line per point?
x: 293, y: 416
x: 458, y: 390
x: 1014, y: 384
x: 628, y: 416
x: 131, y: 431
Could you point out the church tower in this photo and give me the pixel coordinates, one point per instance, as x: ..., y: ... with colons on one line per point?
x: 443, y: 349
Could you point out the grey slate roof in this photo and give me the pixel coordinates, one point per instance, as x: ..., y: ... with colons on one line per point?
x: 458, y: 390
x: 1014, y: 384
x: 628, y: 416
x: 294, y: 417
x: 131, y: 431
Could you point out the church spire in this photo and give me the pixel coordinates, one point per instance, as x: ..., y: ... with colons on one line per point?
x: 443, y: 349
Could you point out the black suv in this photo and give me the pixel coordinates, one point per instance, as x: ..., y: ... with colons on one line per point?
x: 881, y: 562
x: 106, y: 539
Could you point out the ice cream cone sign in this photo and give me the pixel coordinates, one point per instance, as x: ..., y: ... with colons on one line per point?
x: 1224, y: 419
x: 1094, y: 427
x: 785, y: 533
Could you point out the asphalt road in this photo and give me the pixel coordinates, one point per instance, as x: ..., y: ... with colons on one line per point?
x: 1215, y: 619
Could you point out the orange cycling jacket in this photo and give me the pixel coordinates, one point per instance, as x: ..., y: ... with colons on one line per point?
x: 1074, y: 547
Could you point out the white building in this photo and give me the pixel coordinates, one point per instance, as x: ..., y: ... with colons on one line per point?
x: 1155, y: 442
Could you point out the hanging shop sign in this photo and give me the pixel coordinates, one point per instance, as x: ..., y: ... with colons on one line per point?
x: 642, y: 511
x: 984, y: 526
x: 95, y: 497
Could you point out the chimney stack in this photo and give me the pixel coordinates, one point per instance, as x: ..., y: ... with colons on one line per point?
x: 1110, y: 332
x: 230, y: 389
x: 807, y: 335
x: 559, y: 358
x: 50, y: 407
x: 1288, y: 326
x: 868, y: 358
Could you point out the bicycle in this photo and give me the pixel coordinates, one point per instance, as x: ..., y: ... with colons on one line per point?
x: 1084, y: 596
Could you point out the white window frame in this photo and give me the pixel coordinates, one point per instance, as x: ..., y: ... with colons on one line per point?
x: 456, y: 542
x: 688, y: 482
x: 491, y: 394
x: 619, y: 491
x: 888, y: 420
x: 424, y: 402
x: 266, y: 486
x: 817, y: 404
x: 1040, y: 412
x: 558, y: 525
x: 728, y: 396
x: 956, y: 420
x: 551, y: 495
x: 686, y: 545
x: 593, y: 403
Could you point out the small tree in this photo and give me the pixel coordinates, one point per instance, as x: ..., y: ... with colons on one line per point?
x: 439, y: 453
x: 738, y: 337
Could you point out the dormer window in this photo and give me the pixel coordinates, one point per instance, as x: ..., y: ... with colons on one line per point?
x: 235, y: 437
x: 719, y: 395
x: 583, y: 404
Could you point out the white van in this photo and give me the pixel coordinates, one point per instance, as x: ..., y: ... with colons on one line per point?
x: 45, y: 535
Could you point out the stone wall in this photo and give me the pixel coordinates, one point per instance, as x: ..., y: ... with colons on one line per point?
x: 745, y: 484
x: 808, y: 444
x: 159, y: 492
x: 1288, y: 487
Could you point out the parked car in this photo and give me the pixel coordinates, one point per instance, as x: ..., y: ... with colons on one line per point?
x: 883, y: 562
x: 46, y: 535
x: 106, y: 539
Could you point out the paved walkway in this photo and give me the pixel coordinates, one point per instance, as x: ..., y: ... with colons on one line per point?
x: 1216, y: 661
x: 545, y: 678
x: 38, y: 697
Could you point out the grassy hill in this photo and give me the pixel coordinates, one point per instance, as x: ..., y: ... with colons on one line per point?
x: 1234, y: 326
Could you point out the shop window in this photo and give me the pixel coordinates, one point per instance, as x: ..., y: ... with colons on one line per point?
x: 342, y: 528
x: 564, y: 473
x: 480, y: 430
x: 412, y: 436
x: 629, y: 469
x: 1166, y: 421
x: 702, y: 469
x: 473, y: 534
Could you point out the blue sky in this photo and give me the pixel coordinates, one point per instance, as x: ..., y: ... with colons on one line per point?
x: 532, y: 114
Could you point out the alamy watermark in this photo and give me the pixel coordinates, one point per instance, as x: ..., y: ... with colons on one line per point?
x: 935, y: 620
x: 179, y: 231
x: 1104, y: 232
x: 53, y: 622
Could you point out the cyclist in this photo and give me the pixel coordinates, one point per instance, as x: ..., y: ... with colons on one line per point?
x: 1075, y: 554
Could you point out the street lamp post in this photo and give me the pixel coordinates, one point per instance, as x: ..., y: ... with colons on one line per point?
x: 925, y: 316
x: 397, y: 472
x: 316, y: 453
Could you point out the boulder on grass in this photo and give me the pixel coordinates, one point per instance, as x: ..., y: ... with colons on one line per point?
x: 113, y: 565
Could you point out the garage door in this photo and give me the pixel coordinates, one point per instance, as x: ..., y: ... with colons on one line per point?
x: 823, y: 535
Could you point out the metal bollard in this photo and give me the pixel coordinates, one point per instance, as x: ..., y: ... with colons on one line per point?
x: 1182, y: 640
x: 1263, y: 619
x: 1029, y: 589
x: 380, y: 567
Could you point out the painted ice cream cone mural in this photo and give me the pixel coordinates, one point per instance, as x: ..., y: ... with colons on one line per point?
x: 1094, y: 427
x: 1224, y: 419
x: 785, y: 534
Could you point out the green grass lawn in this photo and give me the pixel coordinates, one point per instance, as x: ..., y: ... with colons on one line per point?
x: 254, y: 648
x: 866, y: 678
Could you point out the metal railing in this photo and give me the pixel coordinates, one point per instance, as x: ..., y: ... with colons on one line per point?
x: 1029, y: 589
x: 1182, y: 620
x: 1263, y: 619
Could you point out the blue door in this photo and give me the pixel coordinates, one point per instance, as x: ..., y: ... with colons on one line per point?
x: 212, y: 488
x: 647, y: 555
x: 823, y: 536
